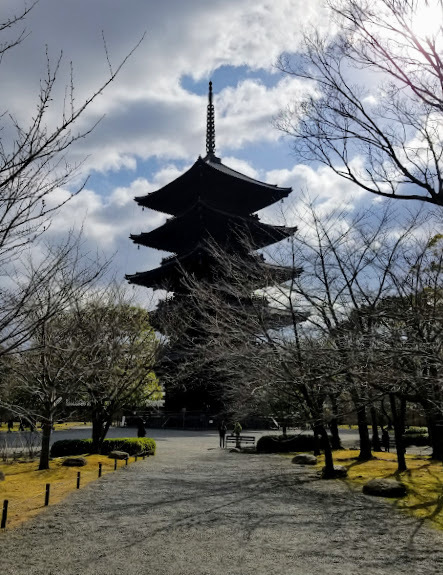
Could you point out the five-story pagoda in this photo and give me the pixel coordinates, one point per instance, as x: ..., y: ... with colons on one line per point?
x: 210, y: 203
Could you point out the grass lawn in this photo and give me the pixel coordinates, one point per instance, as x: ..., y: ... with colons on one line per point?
x: 57, y: 426
x: 71, y: 424
x: 24, y: 485
x: 424, y: 481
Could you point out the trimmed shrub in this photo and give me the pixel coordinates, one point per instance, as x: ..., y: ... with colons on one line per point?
x: 132, y: 445
x: 71, y: 447
x: 418, y: 439
x: 282, y: 444
x: 414, y: 430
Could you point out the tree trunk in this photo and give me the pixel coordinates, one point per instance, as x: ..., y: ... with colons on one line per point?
x: 434, y: 415
x: 403, y: 415
x: 365, y: 442
x: 376, y: 443
x: 333, y: 427
x: 398, y: 433
x: 333, y: 424
x: 97, y: 432
x: 435, y: 436
x: 105, y: 429
x: 317, y: 450
x: 433, y: 422
x: 386, y: 414
x: 328, y: 472
x: 46, y: 438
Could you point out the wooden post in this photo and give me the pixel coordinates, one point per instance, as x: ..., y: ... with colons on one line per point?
x: 126, y: 460
x: 48, y: 489
x: 78, y: 479
x: 99, y: 469
x: 135, y: 458
x: 4, y: 513
x: 115, y: 465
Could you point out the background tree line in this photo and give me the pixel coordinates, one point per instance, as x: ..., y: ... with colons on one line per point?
x: 63, y: 336
x: 358, y: 329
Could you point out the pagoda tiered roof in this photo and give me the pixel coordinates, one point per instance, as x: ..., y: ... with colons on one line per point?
x: 213, y: 211
x: 171, y: 273
x: 202, y: 221
x: 218, y: 186
x: 210, y: 204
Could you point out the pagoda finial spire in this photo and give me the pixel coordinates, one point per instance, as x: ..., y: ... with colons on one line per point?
x: 210, y: 125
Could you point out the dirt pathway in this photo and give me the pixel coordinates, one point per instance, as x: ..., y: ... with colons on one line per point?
x: 197, y: 510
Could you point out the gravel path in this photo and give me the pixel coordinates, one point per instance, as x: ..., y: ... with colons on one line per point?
x: 197, y: 510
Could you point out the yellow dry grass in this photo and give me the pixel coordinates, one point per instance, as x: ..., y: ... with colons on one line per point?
x: 24, y: 486
x: 423, y: 479
x: 57, y: 426
x: 70, y: 425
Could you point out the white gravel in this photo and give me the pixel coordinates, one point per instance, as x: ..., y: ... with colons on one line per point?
x: 195, y: 509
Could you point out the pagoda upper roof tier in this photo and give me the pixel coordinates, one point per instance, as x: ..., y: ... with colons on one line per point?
x: 202, y: 222
x: 218, y: 185
x: 199, y: 262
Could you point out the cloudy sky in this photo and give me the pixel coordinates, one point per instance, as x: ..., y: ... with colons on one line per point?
x: 154, y: 114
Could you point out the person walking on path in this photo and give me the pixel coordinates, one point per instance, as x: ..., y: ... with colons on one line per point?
x: 141, y: 430
x: 222, y: 429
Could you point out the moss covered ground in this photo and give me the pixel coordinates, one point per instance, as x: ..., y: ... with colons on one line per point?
x: 423, y: 479
x: 24, y: 486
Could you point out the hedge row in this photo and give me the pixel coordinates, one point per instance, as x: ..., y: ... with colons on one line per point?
x: 131, y: 445
x: 414, y: 430
x: 418, y: 439
x: 285, y: 444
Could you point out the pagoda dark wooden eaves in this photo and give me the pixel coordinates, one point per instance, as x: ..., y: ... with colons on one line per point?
x: 170, y: 274
x: 203, y: 222
x: 218, y: 185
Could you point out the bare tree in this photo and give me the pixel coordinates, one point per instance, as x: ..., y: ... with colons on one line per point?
x: 347, y: 266
x: 34, y: 163
x: 45, y: 373
x: 54, y: 271
x: 373, y: 287
x: 410, y: 337
x: 119, y: 351
x: 301, y: 344
x: 13, y: 22
x: 247, y: 333
x: 375, y: 109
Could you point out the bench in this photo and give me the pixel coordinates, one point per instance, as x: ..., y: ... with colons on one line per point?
x: 242, y: 439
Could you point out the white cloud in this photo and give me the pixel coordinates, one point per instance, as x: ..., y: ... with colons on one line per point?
x: 107, y: 222
x: 241, y: 166
x: 147, y: 111
x: 244, y: 114
x: 330, y: 191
